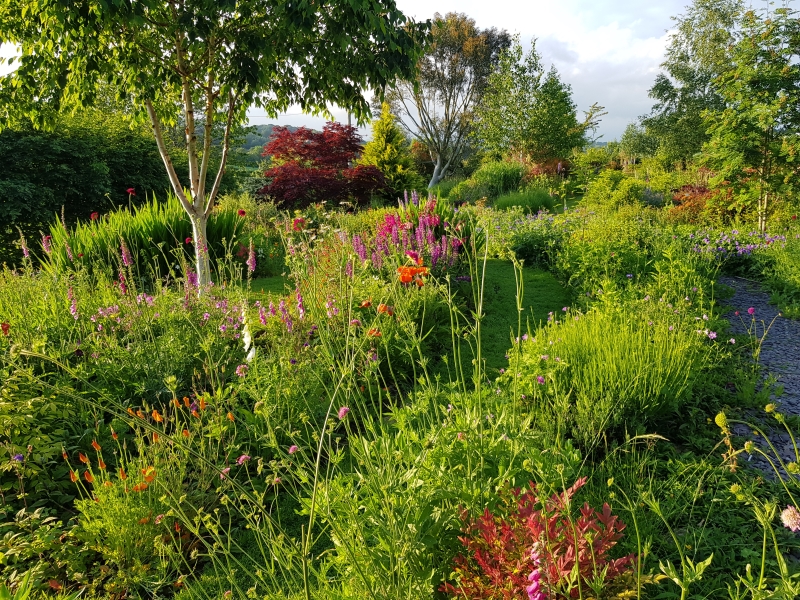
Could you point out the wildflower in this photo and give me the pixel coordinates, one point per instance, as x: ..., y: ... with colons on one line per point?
x: 534, y: 589
x: 790, y: 517
x: 157, y: 417
x: 230, y: 417
x: 108, y: 484
x: 101, y: 464
x: 114, y: 434
x: 298, y: 224
x: 122, y: 474
x: 5, y: 327
x: 251, y: 257
x: 671, y: 327
x: 88, y: 477
x: 131, y: 191
x: 139, y: 487
x: 366, y: 304
x: 149, y: 473
x: 64, y: 454
x: 186, y: 401
x: 540, y: 380
x: 629, y: 276
x: 185, y: 433
x: 705, y: 317
x: 770, y: 408
x: 242, y: 459
x: 414, y: 256
x: 276, y: 481
x: 20, y: 457
x: 712, y: 335
x: 82, y: 457
x: 73, y: 476
x: 343, y: 412
x: 127, y: 260
x: 96, y: 446
x: 732, y: 341
x: 721, y: 420
x: 155, y: 437
x: 224, y: 472
x: 374, y: 333
x: 293, y: 449
x: 355, y: 323
x: 751, y: 311
x: 292, y: 361
x: 46, y: 243
x: 188, y: 240
x: 202, y: 403
x: 460, y: 435
x: 158, y: 519
x: 241, y: 212
x: 241, y: 370
x: 195, y: 414
x: 384, y: 309
x: 736, y: 313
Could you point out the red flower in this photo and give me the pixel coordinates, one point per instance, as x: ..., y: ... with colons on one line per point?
x: 188, y: 240
x: 131, y: 191
x: 94, y: 216
x: 5, y: 328
x: 298, y: 224
x: 242, y: 212
x: 794, y: 217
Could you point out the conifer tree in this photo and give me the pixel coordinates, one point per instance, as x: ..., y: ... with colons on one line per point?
x: 389, y: 151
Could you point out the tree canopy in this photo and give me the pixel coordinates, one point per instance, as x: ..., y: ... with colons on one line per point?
x: 205, y: 62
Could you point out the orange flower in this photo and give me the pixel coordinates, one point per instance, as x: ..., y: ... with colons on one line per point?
x: 157, y: 417
x: 176, y: 402
x: 139, y: 487
x: 384, y: 309
x: 82, y: 457
x: 202, y: 403
x: 101, y: 464
x: 195, y: 414
x: 54, y: 585
x: 73, y: 476
x: 186, y: 402
x: 114, y: 434
x: 131, y: 413
x: 144, y: 521
x: 366, y: 304
x: 64, y: 454
x: 122, y: 474
x: 96, y: 446
x: 230, y: 417
x: 88, y: 477
x: 155, y: 437
x: 108, y: 484
x: 149, y: 474
x: 185, y: 433
x: 177, y: 527
x: 374, y: 333
x: 140, y: 414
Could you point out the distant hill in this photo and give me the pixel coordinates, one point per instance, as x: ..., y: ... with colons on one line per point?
x: 258, y: 136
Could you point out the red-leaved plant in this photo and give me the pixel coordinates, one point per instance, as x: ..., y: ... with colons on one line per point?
x: 572, y: 551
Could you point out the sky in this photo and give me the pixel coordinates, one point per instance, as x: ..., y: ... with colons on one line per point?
x: 608, y: 51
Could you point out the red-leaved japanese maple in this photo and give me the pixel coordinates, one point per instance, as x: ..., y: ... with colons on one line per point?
x: 572, y: 551
x: 310, y: 166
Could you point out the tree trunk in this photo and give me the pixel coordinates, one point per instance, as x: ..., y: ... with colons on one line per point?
x: 202, y: 262
x: 438, y: 173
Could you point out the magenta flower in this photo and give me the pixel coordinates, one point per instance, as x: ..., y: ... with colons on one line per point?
x: 251, y: 257
x: 241, y: 370
x: 343, y: 412
x: 293, y: 449
x: 751, y: 311
x: 242, y: 459
x: 126, y: 255
x: 46, y: 243
x: 224, y: 472
x: 540, y: 380
x: 712, y: 335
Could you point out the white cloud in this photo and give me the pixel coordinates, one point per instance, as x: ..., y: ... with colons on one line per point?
x: 7, y: 51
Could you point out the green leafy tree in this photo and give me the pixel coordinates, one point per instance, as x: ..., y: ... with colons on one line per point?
x: 436, y: 107
x: 695, y: 57
x: 389, y: 151
x: 528, y: 113
x: 177, y: 59
x: 636, y: 143
x: 753, y: 143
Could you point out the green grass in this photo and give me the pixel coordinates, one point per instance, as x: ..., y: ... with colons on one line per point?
x: 269, y: 285
x: 542, y: 294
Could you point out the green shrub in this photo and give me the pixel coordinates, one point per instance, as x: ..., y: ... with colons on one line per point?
x: 612, y: 189
x: 531, y: 200
x: 445, y: 186
x: 613, y: 370
x: 490, y: 180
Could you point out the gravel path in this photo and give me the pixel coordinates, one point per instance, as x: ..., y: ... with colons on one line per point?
x: 780, y: 357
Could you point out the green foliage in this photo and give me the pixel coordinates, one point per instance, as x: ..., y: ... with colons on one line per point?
x: 155, y: 233
x: 613, y: 189
x: 527, y: 113
x: 531, y: 200
x: 445, y: 186
x: 490, y: 181
x: 388, y: 150
x: 612, y: 370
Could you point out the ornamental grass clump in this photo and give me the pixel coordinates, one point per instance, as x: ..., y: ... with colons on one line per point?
x: 540, y: 549
x: 596, y: 375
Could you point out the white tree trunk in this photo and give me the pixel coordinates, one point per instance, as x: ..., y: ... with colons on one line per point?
x: 438, y: 172
x: 202, y: 262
